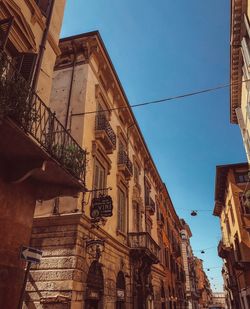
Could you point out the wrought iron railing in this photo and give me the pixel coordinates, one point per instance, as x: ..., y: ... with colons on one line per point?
x: 124, y: 159
x: 22, y: 105
x: 143, y: 240
x: 103, y: 124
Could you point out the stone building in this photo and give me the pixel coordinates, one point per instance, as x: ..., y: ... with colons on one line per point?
x: 218, y: 301
x: 239, y: 69
x: 232, y: 208
x: 191, y: 289
x: 203, y: 284
x: 131, y: 258
x: 32, y: 163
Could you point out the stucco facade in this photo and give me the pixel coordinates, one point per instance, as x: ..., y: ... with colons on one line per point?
x: 239, y: 69
x: 191, y: 289
x: 29, y: 165
x: 234, y: 247
x: 142, y: 237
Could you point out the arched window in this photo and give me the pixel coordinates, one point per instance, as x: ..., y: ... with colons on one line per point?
x: 163, y: 298
x: 120, y: 290
x: 95, y: 286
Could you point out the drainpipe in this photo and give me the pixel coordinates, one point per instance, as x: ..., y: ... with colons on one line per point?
x: 42, y: 47
x: 70, y: 88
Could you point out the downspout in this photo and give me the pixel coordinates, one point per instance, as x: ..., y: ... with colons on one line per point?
x: 42, y: 47
x: 70, y: 88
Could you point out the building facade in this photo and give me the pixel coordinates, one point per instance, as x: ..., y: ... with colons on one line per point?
x: 203, y: 284
x: 218, y: 301
x: 239, y: 69
x: 33, y: 165
x: 192, y: 294
x: 232, y: 207
x: 92, y: 258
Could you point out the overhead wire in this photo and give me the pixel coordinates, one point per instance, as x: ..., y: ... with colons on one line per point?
x: 185, y: 95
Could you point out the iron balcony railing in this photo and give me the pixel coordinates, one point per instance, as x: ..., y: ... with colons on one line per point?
x: 103, y: 124
x: 23, y: 106
x: 144, y: 241
x: 124, y: 159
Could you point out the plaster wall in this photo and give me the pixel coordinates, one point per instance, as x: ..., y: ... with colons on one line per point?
x: 17, y: 206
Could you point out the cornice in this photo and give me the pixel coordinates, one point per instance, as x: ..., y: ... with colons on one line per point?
x: 238, y: 8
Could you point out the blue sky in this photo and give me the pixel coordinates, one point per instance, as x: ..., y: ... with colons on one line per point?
x: 164, y: 48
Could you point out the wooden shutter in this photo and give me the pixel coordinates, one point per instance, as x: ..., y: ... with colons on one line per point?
x: 123, y: 218
x: 96, y: 179
x: 5, y: 27
x: 247, y: 25
x: 119, y: 210
x: 44, y: 6
x: 245, y: 51
x: 26, y: 65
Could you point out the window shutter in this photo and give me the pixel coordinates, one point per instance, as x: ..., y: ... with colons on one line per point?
x: 245, y: 51
x: 119, y: 210
x: 26, y: 65
x: 44, y: 6
x: 5, y: 27
x: 96, y: 179
x: 240, y: 118
x: 247, y: 25
x: 122, y: 211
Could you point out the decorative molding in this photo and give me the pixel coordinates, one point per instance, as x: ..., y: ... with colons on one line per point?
x: 21, y: 34
x: 236, y: 56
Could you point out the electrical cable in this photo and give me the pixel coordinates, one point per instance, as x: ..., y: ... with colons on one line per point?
x: 185, y: 95
x: 198, y: 250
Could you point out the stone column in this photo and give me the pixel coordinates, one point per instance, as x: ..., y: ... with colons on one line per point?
x: 17, y: 204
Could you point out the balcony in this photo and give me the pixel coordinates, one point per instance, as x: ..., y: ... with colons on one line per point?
x: 223, y: 249
x: 150, y: 206
x: 105, y: 133
x: 34, y: 144
x: 124, y: 164
x: 142, y: 243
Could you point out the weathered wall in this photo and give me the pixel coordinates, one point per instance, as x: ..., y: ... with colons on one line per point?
x: 60, y: 279
x: 17, y: 206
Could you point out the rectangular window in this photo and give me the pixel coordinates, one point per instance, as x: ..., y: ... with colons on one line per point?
x: 148, y: 225
x: 99, y: 179
x: 44, y: 6
x: 121, y: 211
x: 137, y: 217
x: 245, y: 51
x: 5, y: 27
x: 136, y: 173
x: 147, y: 193
x: 244, y: 203
x: 232, y: 214
x: 237, y: 248
x: 241, y: 177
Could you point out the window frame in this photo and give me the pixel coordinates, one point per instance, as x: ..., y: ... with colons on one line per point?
x: 121, y: 210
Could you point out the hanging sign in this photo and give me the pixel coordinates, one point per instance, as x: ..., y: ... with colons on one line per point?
x: 101, y: 206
